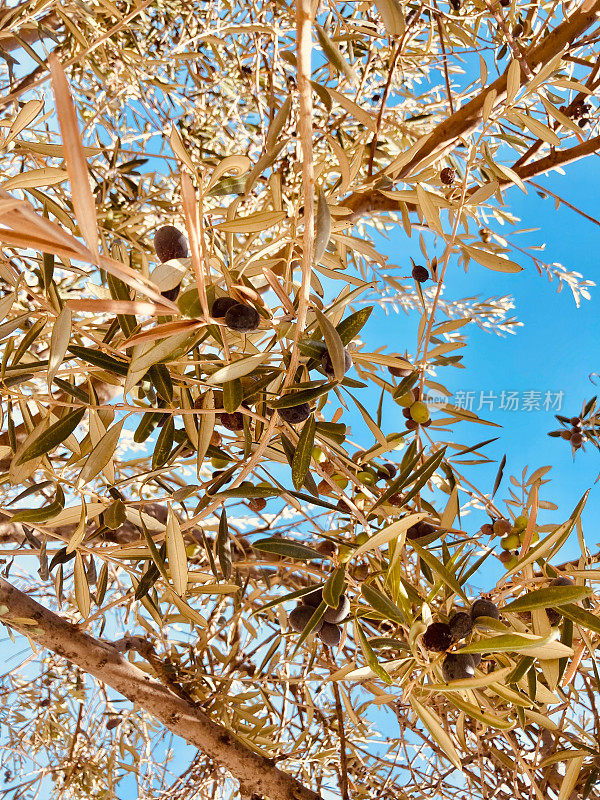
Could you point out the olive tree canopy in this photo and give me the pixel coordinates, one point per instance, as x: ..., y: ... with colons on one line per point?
x: 227, y: 519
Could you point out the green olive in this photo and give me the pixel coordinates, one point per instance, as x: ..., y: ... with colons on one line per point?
x: 510, y: 542
x: 419, y: 412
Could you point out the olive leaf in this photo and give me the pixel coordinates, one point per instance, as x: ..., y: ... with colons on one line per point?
x: 52, y: 436
x: 303, y: 453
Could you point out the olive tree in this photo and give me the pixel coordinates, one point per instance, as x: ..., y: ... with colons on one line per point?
x: 227, y: 520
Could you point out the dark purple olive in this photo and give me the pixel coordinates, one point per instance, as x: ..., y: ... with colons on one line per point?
x: 169, y: 242
x: 335, y: 615
x: 300, y: 616
x: 327, y: 364
x: 330, y: 634
x: 221, y: 306
x: 437, y: 637
x: 484, y: 608
x: 242, y: 318
x: 295, y: 414
x: 461, y: 625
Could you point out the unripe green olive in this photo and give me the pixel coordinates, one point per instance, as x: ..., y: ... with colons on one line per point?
x: 219, y: 463
x: 366, y: 477
x: 521, y: 522
x: 318, y: 455
x: 510, y: 542
x: 362, y: 538
x: 340, y: 480
x: 419, y: 412
x: 406, y: 400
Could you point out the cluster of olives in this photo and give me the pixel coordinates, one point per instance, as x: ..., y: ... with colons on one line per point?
x: 580, y: 112
x: 236, y: 316
x: 328, y: 627
x: 513, y: 536
x: 368, y: 476
x: 574, y: 433
x: 420, y: 530
x: 440, y: 636
x: 414, y: 410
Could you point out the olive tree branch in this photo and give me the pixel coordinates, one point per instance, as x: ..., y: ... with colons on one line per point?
x: 255, y: 773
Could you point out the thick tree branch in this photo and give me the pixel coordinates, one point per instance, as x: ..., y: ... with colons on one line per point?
x: 374, y: 202
x: 466, y: 119
x: 255, y: 773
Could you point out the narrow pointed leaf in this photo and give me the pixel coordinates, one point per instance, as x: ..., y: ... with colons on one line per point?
x: 53, y: 436
x: 303, y: 453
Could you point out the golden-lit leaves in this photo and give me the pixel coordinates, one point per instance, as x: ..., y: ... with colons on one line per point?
x: 83, y: 200
x: 176, y: 554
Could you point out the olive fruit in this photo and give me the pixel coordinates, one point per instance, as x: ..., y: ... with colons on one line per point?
x: 300, y: 616
x: 387, y: 470
x: 326, y: 548
x: 420, y: 273
x: 257, y: 504
x: 335, y: 615
x: 460, y: 625
x: 510, y: 542
x: 242, y: 318
x: 419, y: 412
x: 455, y: 4
x: 487, y: 529
x: 438, y: 637
x: 313, y: 599
x: 221, y: 306
x: 509, y: 559
x: 327, y: 364
x: 295, y: 414
x: 233, y: 422
x: 411, y: 425
x: 367, y: 477
x: 400, y: 372
x: 172, y: 294
x: 502, y: 527
x: 458, y: 666
x: 484, y: 608
x: 407, y: 400
x: 330, y: 634
x: 318, y: 455
x: 419, y: 530
x: 562, y: 580
x: 448, y: 176
x: 169, y: 242
x: 521, y: 522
